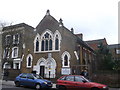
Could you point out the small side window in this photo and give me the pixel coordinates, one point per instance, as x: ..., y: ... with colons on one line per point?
x: 23, y: 76
x: 78, y: 79
x: 30, y: 76
x: 70, y: 78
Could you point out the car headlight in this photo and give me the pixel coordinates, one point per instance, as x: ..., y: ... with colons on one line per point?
x: 45, y: 82
x: 104, y: 87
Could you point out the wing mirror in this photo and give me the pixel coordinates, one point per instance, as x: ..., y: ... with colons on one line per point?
x: 32, y: 78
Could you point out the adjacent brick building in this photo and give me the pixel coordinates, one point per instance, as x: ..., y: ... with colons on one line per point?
x: 115, y: 50
x: 94, y: 44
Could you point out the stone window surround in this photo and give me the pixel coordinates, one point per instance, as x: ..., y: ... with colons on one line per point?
x: 27, y: 59
x: 6, y: 53
x: 57, y: 33
x: 63, y: 61
x: 6, y: 65
x: 17, y: 61
x: 13, y: 52
x: 14, y: 38
x: 7, y: 42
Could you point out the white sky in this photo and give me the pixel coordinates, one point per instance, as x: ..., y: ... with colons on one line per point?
x: 96, y: 19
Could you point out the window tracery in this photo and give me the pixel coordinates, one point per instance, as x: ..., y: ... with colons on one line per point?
x: 47, y: 42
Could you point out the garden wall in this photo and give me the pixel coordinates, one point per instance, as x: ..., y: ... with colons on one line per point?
x: 110, y: 78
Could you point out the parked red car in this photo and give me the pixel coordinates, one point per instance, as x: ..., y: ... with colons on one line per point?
x: 78, y: 82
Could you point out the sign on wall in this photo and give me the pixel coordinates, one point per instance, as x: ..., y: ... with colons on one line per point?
x: 34, y: 68
x: 65, y: 71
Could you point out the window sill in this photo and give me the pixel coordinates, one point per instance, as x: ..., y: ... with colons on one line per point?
x: 47, y: 51
x: 29, y: 67
x: 66, y: 67
x: 14, y: 57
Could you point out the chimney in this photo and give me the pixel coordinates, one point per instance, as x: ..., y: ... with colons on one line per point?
x: 72, y: 30
x: 80, y: 36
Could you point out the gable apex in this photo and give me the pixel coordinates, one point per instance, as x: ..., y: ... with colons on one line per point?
x: 48, y: 12
x: 48, y: 22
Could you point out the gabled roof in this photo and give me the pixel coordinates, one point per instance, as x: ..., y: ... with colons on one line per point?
x: 94, y: 43
x: 48, y: 22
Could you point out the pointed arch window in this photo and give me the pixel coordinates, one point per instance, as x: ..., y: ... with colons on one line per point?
x: 56, y: 44
x: 46, y: 44
x: 65, y: 59
x: 37, y: 45
x: 29, y: 61
x: 50, y: 44
x: 42, y: 46
x: 57, y: 39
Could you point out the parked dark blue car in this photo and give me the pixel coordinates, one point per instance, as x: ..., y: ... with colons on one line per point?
x: 32, y: 80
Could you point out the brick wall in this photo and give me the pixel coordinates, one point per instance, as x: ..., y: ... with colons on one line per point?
x: 13, y: 73
x: 112, y: 79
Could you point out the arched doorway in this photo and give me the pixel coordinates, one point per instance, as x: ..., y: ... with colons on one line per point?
x: 42, y: 69
x: 51, y: 68
x: 46, y: 67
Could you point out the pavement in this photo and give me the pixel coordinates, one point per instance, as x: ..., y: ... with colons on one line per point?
x: 9, y: 83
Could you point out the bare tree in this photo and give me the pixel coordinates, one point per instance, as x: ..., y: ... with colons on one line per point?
x: 4, y: 23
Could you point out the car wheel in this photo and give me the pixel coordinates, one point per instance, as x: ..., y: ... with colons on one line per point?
x: 62, y: 88
x: 17, y: 84
x: 38, y: 86
x: 95, y: 89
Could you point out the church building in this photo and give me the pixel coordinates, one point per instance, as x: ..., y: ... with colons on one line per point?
x: 50, y: 49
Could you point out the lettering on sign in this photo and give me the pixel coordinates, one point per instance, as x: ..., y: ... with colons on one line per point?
x: 65, y: 71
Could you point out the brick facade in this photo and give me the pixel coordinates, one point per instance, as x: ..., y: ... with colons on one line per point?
x: 50, y: 49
